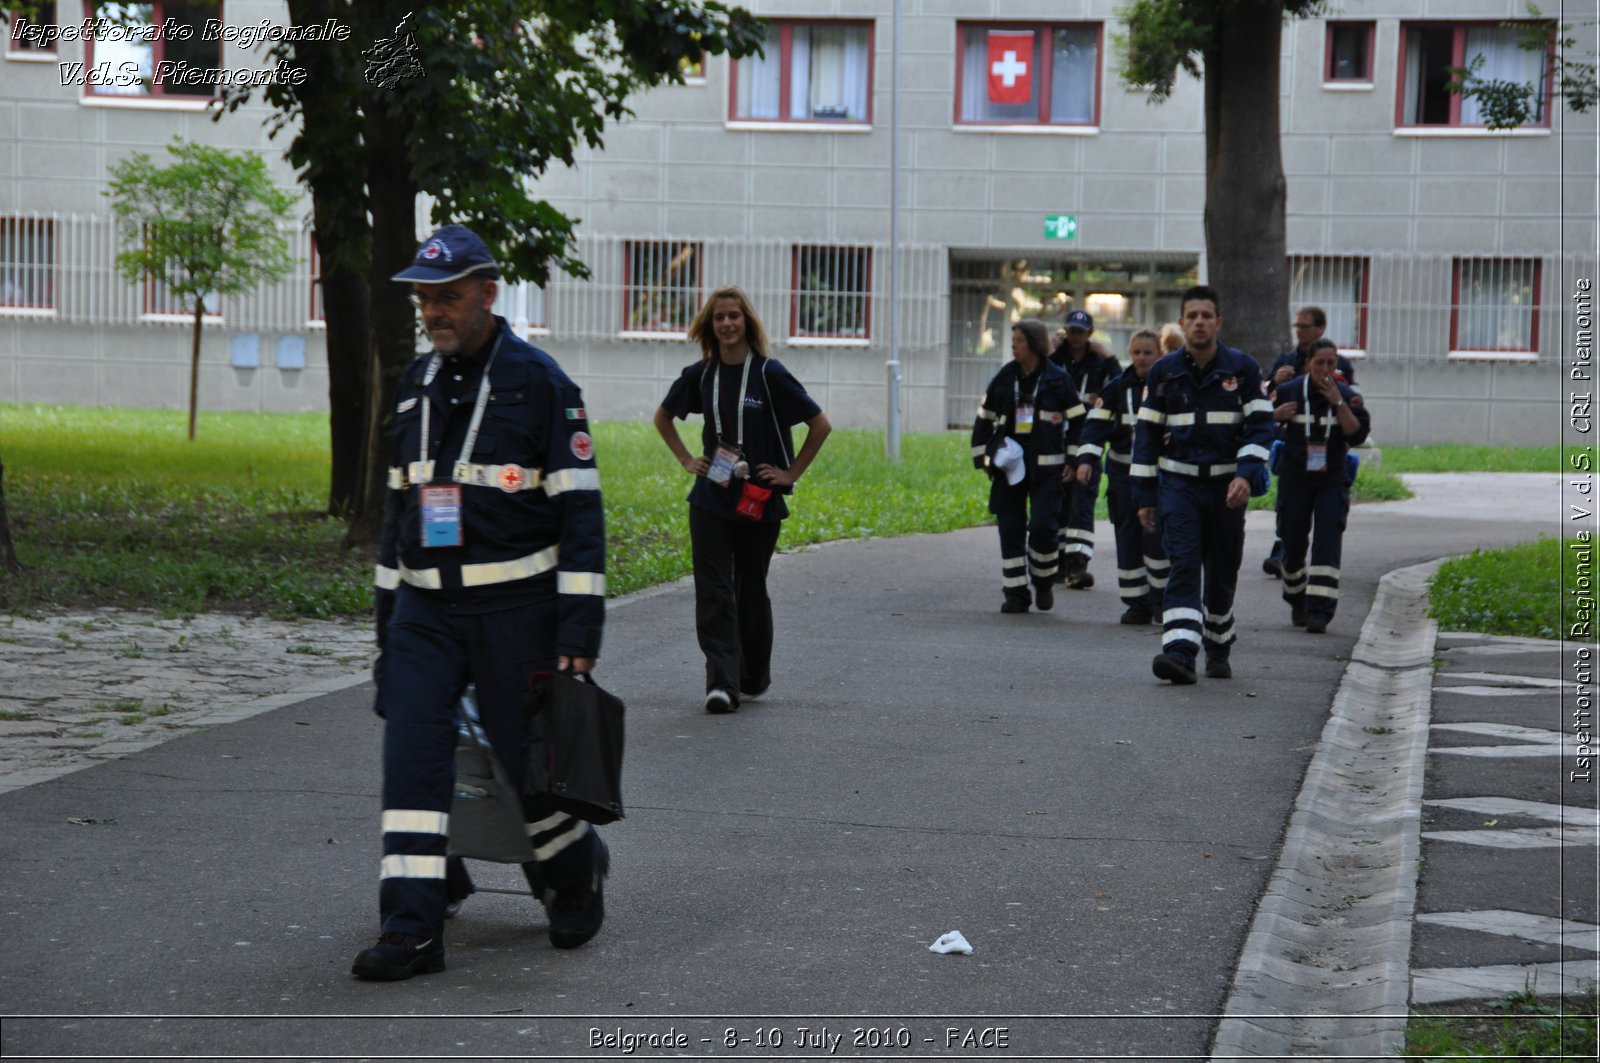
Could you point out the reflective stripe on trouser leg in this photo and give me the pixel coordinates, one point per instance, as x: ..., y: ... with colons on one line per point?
x: 1224, y: 553
x: 1181, y: 514
x: 1044, y: 551
x: 1024, y: 540
x: 1296, y: 501
x: 1331, y: 509
x: 554, y: 833
x: 1156, y: 569
x: 1133, y: 585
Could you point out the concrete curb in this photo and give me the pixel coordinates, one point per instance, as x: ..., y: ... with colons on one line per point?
x: 1326, y: 968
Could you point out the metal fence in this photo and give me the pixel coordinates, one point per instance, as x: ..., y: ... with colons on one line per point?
x: 63, y: 267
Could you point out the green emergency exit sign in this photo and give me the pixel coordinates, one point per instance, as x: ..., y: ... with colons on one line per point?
x: 1060, y: 226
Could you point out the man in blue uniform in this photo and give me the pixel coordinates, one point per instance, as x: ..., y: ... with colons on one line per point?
x: 1031, y: 405
x: 492, y: 568
x: 1090, y: 367
x: 1200, y: 449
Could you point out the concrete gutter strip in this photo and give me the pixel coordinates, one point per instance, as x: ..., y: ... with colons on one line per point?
x: 1325, y: 969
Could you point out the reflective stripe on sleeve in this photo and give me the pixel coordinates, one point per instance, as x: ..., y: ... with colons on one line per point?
x: 385, y: 578
x: 1093, y: 450
x: 1251, y: 450
x: 1255, y: 406
x: 1223, y: 417
x: 1052, y: 459
x: 985, y: 414
x: 979, y: 451
x: 572, y: 480
x: 1101, y: 413
x: 1122, y: 459
x: 1177, y: 420
x: 400, y: 865
x: 1142, y: 470
x: 1077, y: 410
x: 581, y: 583
x: 1154, y: 416
x: 415, y: 821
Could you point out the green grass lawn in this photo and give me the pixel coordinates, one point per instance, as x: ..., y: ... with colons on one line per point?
x: 1515, y: 591
x: 114, y: 507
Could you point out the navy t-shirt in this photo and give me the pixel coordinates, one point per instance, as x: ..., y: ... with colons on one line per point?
x: 773, y: 403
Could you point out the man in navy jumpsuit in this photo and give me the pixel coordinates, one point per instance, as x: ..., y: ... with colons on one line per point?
x: 1199, y: 449
x: 492, y: 568
x: 1090, y: 367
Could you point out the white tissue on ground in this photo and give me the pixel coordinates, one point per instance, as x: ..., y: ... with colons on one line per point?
x: 951, y: 942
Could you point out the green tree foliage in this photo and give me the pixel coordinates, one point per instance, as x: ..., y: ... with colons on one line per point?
x: 209, y: 224
x: 503, y: 90
x: 1234, y: 46
x: 1509, y: 104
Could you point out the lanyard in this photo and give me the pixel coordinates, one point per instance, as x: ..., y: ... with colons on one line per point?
x: 1312, y: 422
x: 716, y: 399
x: 477, y: 410
x: 1016, y: 389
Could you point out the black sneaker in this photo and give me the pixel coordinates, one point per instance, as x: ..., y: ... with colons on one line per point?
x: 1273, y: 567
x: 1218, y: 668
x: 1014, y: 605
x: 397, y: 957
x: 1044, y: 597
x: 1080, y: 580
x: 1316, y: 625
x: 719, y: 701
x: 1297, y: 615
x: 1177, y: 670
x: 576, y: 911
x: 1136, y: 614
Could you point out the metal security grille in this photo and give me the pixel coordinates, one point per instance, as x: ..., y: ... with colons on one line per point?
x: 27, y: 263
x: 833, y: 292
x: 661, y: 284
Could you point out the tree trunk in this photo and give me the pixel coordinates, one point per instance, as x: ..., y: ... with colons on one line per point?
x: 8, y: 552
x: 339, y: 217
x: 194, y: 363
x: 1246, y: 255
x: 392, y: 194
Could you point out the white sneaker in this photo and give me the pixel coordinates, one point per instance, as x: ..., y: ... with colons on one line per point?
x: 719, y: 701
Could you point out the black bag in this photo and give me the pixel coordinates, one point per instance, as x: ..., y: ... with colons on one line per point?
x: 575, y: 752
x: 486, y: 820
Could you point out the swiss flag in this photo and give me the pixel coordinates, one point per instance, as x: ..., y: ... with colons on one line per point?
x: 1010, y: 66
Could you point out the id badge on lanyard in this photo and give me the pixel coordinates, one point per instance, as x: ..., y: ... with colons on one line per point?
x: 1024, y: 419
x: 728, y: 460
x: 1022, y: 423
x: 439, y: 505
x: 1316, y: 457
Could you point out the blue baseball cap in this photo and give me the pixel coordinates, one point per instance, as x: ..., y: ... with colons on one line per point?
x: 1080, y: 319
x: 452, y: 252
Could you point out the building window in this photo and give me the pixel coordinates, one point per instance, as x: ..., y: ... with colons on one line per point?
x: 660, y: 284
x: 1339, y: 287
x: 316, y: 313
x: 148, y: 58
x: 812, y: 72
x: 1002, y: 75
x: 832, y: 293
x: 1494, y: 305
x: 25, y: 34
x: 27, y: 263
x: 1431, y: 52
x: 693, y: 71
x: 159, y: 301
x: 522, y: 304
x: 1349, y: 52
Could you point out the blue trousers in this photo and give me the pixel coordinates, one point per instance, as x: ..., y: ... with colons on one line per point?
x: 433, y: 650
x: 1141, y: 560
x: 1204, y: 540
x: 1312, y: 512
x: 1076, y: 518
x: 1026, y: 515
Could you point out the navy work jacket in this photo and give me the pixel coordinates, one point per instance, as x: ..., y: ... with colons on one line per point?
x: 1316, y: 423
x: 530, y: 513
x: 1110, y: 424
x: 1208, y: 424
x: 1057, y: 417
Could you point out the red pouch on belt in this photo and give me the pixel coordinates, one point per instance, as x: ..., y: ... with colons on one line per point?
x: 752, y: 500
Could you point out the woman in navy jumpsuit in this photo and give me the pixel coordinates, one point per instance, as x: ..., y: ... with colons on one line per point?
x: 1323, y: 418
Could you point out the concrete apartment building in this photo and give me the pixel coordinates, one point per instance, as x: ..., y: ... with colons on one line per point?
x: 1031, y: 182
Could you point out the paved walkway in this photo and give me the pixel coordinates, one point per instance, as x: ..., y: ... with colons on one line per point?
x: 923, y: 765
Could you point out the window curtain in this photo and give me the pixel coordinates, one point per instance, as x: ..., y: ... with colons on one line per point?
x: 800, y: 53
x: 1496, y: 306
x: 1076, y: 62
x: 1335, y: 286
x: 758, y: 84
x: 1502, y: 61
x: 1415, y: 77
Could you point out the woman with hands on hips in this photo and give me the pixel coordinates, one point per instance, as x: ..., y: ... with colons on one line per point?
x: 750, y: 403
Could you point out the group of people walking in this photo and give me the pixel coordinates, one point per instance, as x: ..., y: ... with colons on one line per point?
x: 1185, y: 439
x: 492, y: 564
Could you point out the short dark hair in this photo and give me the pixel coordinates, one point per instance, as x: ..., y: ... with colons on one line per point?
x: 1323, y: 343
x: 1319, y: 317
x: 1201, y: 291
